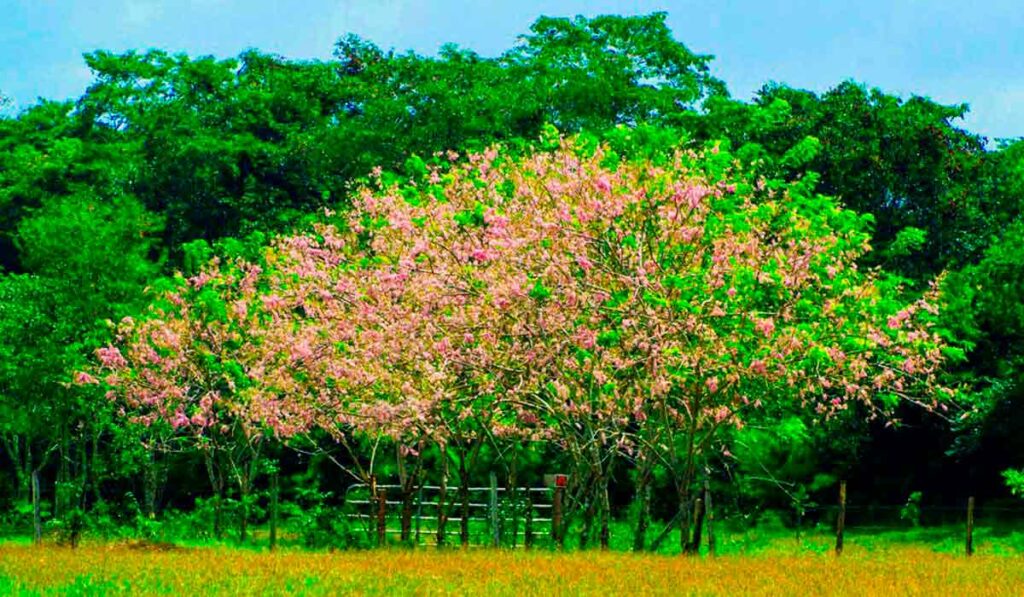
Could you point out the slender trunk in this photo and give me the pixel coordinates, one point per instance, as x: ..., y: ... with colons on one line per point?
x: 411, y: 483
x: 243, y: 523
x: 512, y: 501
x: 605, y: 514
x: 37, y: 522
x: 149, y: 485
x: 217, y: 484
x: 528, y: 523
x: 95, y: 468
x: 588, y: 518
x: 407, y: 495
x: 60, y: 487
x: 28, y: 468
x: 709, y: 514
x: 644, y: 513
x: 683, y: 492
x: 442, y: 506
x: 382, y: 521
x: 22, y: 474
x: 693, y: 548
x: 464, y: 498
x: 274, y: 500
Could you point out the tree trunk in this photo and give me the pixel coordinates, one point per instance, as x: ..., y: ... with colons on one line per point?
x: 464, y: 497
x: 274, y: 501
x: 97, y: 472
x: 22, y: 470
x: 382, y: 521
x: 684, y: 518
x: 217, y: 484
x: 243, y: 524
x: 588, y: 520
x: 605, y: 514
x: 643, y: 515
x: 149, y: 482
x: 512, y: 495
x: 407, y: 495
x: 60, y: 487
x: 37, y: 522
x: 693, y: 548
x: 442, y: 506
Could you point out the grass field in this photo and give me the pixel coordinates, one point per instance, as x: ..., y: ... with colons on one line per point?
x: 101, y: 569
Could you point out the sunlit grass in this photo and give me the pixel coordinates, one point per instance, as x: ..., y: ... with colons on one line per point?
x: 138, y: 568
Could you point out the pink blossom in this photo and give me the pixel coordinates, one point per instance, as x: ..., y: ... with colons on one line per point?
x: 586, y: 338
x: 110, y: 356
x: 273, y: 302
x: 83, y: 378
x: 179, y: 420
x: 765, y: 327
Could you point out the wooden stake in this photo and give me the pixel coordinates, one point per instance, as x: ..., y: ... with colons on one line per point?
x: 841, y: 519
x: 556, y: 517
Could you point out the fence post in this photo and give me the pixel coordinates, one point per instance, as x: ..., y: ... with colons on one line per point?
x: 970, y: 526
x: 495, y: 529
x: 556, y: 515
x: 37, y: 522
x: 274, y: 490
x: 841, y: 519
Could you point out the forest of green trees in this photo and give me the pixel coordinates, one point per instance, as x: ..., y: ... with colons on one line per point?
x: 167, y: 161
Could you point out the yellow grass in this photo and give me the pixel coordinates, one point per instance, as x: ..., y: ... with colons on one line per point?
x: 106, y: 569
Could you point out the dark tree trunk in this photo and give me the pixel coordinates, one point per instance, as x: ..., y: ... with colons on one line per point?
x: 464, y: 498
x: 149, y: 484
x: 684, y: 518
x: 605, y: 514
x: 442, y: 505
x: 37, y: 521
x: 643, y: 515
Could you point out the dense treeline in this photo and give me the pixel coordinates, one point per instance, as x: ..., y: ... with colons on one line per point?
x: 168, y: 160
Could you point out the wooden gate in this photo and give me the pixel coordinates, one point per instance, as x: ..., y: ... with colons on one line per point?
x: 498, y: 516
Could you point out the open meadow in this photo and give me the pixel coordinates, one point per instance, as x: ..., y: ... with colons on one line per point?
x: 913, y: 562
x: 132, y: 568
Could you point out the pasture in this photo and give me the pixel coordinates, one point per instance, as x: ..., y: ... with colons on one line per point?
x: 868, y: 567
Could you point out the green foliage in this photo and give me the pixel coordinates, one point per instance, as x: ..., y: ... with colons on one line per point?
x: 169, y: 160
x: 1015, y: 481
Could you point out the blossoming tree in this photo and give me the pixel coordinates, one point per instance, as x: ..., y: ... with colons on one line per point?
x: 615, y: 310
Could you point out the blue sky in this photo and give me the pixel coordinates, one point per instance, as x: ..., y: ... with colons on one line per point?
x: 951, y: 51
